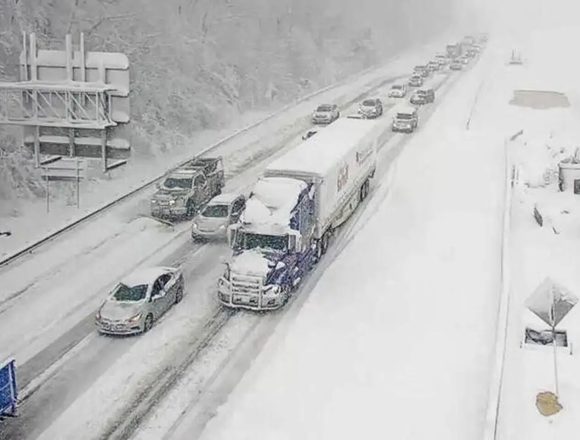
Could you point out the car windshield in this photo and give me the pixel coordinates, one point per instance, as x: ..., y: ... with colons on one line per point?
x: 253, y: 241
x: 397, y: 87
x: 404, y: 116
x: 324, y: 108
x: 126, y: 293
x: 215, y: 211
x: 176, y: 182
x: 369, y: 103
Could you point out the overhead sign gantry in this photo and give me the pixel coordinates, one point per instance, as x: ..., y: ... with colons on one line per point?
x: 70, y: 103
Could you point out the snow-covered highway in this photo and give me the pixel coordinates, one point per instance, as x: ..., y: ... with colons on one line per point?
x: 63, y: 362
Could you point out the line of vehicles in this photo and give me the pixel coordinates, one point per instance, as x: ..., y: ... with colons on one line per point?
x: 281, y: 230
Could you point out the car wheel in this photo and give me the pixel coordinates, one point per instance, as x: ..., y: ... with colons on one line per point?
x: 179, y: 295
x: 148, y: 323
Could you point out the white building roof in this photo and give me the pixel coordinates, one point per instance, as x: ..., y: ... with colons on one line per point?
x: 318, y: 154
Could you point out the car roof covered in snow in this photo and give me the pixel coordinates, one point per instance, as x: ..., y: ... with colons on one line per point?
x: 318, y: 154
x: 406, y: 109
x: 145, y: 276
x: 224, y: 198
x: 185, y: 173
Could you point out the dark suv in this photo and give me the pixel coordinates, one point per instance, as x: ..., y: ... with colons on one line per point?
x: 423, y: 96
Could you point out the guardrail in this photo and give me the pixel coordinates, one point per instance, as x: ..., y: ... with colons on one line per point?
x: 496, y: 384
x: 30, y: 248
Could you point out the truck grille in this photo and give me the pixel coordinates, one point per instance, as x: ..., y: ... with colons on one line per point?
x: 246, y: 289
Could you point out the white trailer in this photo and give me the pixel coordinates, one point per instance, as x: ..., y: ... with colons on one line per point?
x: 339, y: 161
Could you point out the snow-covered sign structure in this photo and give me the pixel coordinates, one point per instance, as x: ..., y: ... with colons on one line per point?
x: 8, y: 391
x: 70, y: 102
x: 551, y: 302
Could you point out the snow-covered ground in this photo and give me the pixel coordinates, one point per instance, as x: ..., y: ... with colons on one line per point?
x: 47, y: 311
x: 396, y: 337
x: 535, y: 253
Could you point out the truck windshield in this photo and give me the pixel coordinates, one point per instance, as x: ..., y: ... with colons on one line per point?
x: 173, y: 182
x: 215, y: 211
x: 252, y: 241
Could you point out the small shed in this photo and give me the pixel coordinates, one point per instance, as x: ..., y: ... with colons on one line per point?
x: 569, y: 174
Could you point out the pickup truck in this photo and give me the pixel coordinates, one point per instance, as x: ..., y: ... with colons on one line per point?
x: 293, y: 210
x: 186, y: 190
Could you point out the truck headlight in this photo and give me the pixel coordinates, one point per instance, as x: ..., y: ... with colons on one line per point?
x: 273, y: 289
x: 172, y: 202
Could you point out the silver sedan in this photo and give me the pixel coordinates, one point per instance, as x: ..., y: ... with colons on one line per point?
x: 139, y: 300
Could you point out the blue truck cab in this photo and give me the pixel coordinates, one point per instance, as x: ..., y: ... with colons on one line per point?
x: 271, y: 245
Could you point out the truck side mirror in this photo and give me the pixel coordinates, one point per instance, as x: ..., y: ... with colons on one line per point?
x: 294, y: 241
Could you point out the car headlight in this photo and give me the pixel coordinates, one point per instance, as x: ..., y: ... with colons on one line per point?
x: 98, y: 315
x: 194, y: 225
x: 153, y: 201
x: 135, y: 318
x: 172, y: 202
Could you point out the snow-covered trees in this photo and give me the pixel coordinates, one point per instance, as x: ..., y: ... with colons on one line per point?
x: 197, y: 63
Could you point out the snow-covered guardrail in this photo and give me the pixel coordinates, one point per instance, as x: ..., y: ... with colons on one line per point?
x: 100, y: 210
x: 496, y: 384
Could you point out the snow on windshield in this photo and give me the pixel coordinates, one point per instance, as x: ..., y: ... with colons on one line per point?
x: 324, y: 108
x: 126, y: 293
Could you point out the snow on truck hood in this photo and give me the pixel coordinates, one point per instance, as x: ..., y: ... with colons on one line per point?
x: 250, y: 262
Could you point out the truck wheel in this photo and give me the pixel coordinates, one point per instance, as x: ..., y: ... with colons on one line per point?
x: 190, y: 209
x: 324, y: 242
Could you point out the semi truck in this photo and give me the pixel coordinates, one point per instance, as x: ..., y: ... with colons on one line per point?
x: 293, y: 210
